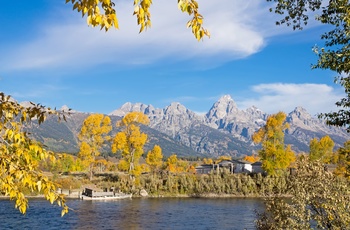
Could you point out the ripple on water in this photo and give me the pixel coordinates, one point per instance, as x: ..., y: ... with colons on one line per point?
x: 137, y: 213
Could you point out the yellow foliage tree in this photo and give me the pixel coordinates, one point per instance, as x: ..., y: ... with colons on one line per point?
x: 183, y: 166
x: 93, y: 134
x: 252, y: 158
x: 78, y: 165
x: 102, y: 13
x: 322, y: 149
x: 274, y: 155
x: 145, y: 168
x: 64, y: 163
x: 101, y: 165
x: 20, y: 155
x: 208, y: 161
x: 130, y: 142
x: 172, y: 163
x: 123, y: 165
x: 155, y: 158
x: 192, y: 169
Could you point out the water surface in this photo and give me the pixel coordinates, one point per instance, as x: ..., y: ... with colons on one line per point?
x: 136, y: 213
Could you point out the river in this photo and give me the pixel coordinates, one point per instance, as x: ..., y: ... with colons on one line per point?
x: 136, y: 213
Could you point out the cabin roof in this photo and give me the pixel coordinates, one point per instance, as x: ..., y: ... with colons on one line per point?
x: 240, y: 162
x: 204, y: 166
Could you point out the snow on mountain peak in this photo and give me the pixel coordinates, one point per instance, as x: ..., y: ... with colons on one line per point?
x: 225, y: 98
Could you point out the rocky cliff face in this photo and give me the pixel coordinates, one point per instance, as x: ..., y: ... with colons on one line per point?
x: 171, y: 120
x: 225, y: 116
x: 225, y: 129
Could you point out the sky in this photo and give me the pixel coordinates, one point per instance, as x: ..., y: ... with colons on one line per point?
x: 50, y: 56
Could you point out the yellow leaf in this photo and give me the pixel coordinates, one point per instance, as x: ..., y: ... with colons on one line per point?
x: 39, y: 185
x: 89, y: 20
x: 97, y: 10
x: 52, y: 197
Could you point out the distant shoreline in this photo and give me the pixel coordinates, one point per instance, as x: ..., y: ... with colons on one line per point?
x: 211, y: 195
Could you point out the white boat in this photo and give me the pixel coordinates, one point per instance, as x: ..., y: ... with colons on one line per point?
x: 90, y: 194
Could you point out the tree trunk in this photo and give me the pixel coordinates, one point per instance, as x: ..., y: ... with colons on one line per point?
x: 91, y: 173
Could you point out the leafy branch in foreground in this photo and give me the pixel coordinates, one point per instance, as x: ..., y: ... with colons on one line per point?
x: 103, y: 13
x: 335, y: 55
x: 318, y: 199
x: 20, y: 155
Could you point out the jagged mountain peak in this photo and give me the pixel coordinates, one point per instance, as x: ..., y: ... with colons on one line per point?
x: 26, y: 104
x: 299, y: 118
x: 176, y: 107
x: 254, y: 110
x: 178, y: 110
x: 300, y: 109
x: 66, y: 109
x: 224, y: 108
x: 225, y: 98
x: 129, y: 107
x: 256, y: 115
x: 225, y: 101
x: 300, y: 113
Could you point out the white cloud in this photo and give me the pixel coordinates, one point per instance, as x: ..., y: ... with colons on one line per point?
x: 315, y: 98
x: 238, y: 29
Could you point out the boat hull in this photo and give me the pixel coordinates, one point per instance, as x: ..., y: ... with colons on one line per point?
x: 114, y: 197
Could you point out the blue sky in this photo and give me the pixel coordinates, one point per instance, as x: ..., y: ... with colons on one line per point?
x: 50, y: 56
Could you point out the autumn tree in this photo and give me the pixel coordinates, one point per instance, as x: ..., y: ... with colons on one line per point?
x: 63, y: 163
x: 101, y: 164
x: 208, y: 161
x: 183, y: 166
x: 175, y: 165
x: 93, y: 135
x: 20, y: 155
x: 130, y: 142
x: 252, y: 159
x: 319, y: 200
x: 343, y: 161
x: 155, y: 158
x: 321, y: 149
x: 275, y: 156
x: 102, y: 13
x: 335, y: 54
x: 171, y: 163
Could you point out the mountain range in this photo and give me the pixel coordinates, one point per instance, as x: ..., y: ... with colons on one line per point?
x: 223, y: 130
